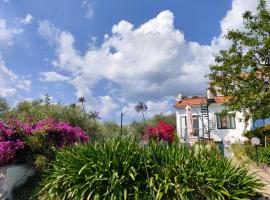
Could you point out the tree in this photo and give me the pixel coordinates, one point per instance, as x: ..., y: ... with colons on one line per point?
x: 47, y: 99
x: 3, y: 105
x: 242, y: 72
x: 82, y: 100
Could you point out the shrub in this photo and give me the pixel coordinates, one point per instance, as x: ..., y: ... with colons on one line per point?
x: 38, y: 110
x: 8, y: 147
x: 168, y: 119
x: 263, y: 154
x: 163, y: 132
x: 238, y: 151
x: 259, y: 132
x: 24, y: 142
x: 123, y: 169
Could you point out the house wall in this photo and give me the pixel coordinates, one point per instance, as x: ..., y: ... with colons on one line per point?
x: 181, y: 112
x: 216, y: 134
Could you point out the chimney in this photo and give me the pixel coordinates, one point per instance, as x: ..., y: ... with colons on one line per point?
x: 179, y: 97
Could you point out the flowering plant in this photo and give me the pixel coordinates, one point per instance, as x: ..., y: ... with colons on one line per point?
x: 60, y: 134
x: 8, y: 147
x: 162, y: 132
x: 26, y: 138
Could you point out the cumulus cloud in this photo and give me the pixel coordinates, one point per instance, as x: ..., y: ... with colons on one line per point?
x: 149, y: 63
x: 52, y: 76
x: 7, y: 33
x: 154, y: 107
x: 10, y: 82
x: 27, y: 19
x: 233, y: 20
x: 107, y: 105
x: 89, y: 9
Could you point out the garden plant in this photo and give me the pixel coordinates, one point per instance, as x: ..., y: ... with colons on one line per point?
x: 115, y: 169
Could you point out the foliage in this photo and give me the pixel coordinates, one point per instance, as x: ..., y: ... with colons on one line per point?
x: 238, y: 151
x: 168, y: 119
x: 23, y: 142
x: 37, y: 110
x: 163, y: 132
x: 123, y: 169
x: 8, y: 145
x: 242, y: 72
x: 263, y: 154
x: 259, y: 132
x: 3, y: 105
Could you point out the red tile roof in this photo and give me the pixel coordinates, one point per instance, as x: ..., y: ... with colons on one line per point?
x: 198, y: 101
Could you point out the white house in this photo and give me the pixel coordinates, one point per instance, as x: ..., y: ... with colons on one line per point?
x: 208, y: 121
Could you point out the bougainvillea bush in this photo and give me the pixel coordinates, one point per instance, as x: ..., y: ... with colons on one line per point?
x: 26, y: 142
x: 162, y: 132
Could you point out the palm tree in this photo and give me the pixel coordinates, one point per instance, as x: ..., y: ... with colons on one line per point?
x: 82, y: 100
x: 141, y: 108
x: 47, y: 99
x: 94, y: 115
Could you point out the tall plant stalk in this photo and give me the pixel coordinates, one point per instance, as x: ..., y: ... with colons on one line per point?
x: 82, y: 100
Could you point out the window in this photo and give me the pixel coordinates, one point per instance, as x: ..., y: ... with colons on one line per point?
x: 226, y: 121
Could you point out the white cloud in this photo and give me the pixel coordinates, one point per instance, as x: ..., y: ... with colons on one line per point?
x: 89, y: 9
x: 52, y: 76
x: 27, y: 19
x: 149, y: 63
x: 10, y: 82
x: 107, y: 105
x: 48, y: 31
x: 154, y: 107
x: 24, y: 85
x: 233, y: 20
x: 7, y: 33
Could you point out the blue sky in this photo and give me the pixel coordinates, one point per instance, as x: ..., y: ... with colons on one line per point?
x: 115, y: 53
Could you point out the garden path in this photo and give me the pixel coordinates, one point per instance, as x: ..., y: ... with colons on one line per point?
x: 264, y: 177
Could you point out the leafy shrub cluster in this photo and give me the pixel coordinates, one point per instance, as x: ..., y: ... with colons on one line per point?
x: 259, y: 132
x: 263, y: 154
x: 162, y: 132
x: 26, y: 142
x: 38, y: 110
x: 123, y: 169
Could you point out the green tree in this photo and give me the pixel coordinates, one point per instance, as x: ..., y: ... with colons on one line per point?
x: 242, y: 71
x: 3, y: 105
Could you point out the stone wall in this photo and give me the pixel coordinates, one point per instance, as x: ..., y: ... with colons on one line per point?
x: 12, y: 176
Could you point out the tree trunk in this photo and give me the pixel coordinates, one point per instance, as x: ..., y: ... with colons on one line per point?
x: 83, y: 110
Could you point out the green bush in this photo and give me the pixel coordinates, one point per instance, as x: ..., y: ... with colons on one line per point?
x: 259, y: 132
x: 123, y: 169
x: 37, y: 110
x: 263, y: 154
x: 238, y: 151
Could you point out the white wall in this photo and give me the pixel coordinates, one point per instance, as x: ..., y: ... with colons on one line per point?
x: 196, y: 110
x: 216, y: 134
